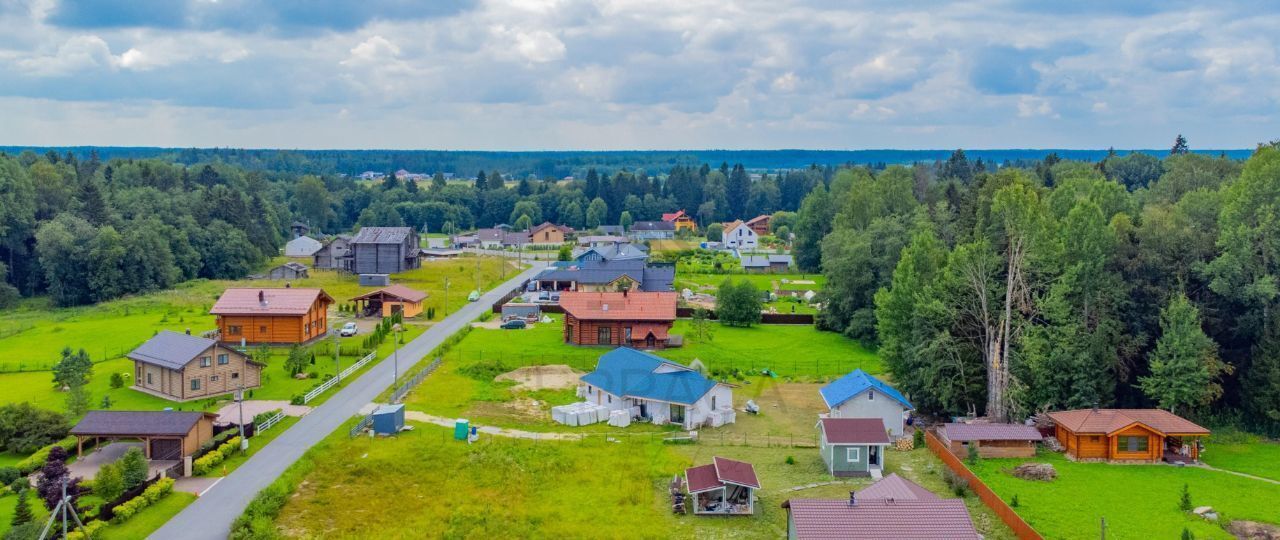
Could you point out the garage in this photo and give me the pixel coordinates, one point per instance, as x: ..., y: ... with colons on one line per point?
x: 166, y: 449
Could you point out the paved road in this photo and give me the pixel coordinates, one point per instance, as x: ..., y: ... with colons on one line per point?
x: 210, y: 516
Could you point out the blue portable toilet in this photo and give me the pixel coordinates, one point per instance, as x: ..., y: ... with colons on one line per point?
x: 388, y: 419
x: 461, y: 429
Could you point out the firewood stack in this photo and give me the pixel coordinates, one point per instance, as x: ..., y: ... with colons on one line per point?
x: 677, y: 495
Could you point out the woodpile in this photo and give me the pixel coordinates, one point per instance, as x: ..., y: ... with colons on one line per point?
x: 1036, y: 471
x: 904, y: 444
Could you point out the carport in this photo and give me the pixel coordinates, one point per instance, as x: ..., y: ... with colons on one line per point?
x: 165, y: 435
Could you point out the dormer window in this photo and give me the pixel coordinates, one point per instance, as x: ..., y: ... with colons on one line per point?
x: 871, y: 395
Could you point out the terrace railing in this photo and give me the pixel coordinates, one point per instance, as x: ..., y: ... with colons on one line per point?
x: 315, y: 392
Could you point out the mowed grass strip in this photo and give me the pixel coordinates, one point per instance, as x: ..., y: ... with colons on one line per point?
x: 1138, y: 501
x: 1244, y: 453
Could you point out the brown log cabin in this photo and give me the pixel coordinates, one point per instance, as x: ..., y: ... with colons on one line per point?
x: 641, y: 320
x: 282, y: 316
x: 1147, y: 435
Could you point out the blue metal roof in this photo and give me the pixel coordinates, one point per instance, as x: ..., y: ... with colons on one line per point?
x: 626, y: 372
x: 844, y: 388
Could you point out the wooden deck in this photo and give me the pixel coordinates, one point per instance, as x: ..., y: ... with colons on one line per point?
x: 1176, y: 458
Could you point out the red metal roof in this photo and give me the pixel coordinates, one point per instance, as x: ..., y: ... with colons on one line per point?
x: 897, y: 488
x: 616, y: 306
x: 674, y: 215
x: 719, y: 472
x: 399, y: 291
x: 279, y: 301
x: 640, y: 331
x: 881, y: 519
x: 757, y: 219
x: 1108, y: 421
x: 990, y: 432
x: 855, y: 431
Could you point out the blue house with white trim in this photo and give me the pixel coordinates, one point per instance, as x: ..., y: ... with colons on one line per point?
x: 656, y: 389
x: 859, y: 395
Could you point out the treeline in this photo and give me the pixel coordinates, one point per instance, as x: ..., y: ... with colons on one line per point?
x: 87, y: 231
x: 1133, y: 281
x: 548, y: 164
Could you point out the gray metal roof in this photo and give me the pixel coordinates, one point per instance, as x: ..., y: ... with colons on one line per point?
x: 137, y: 423
x: 652, y: 278
x: 170, y: 349
x: 653, y: 226
x: 381, y: 235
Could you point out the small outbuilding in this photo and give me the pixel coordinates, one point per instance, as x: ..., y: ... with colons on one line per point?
x: 723, y: 487
x: 991, y: 440
x: 289, y: 270
x: 388, y: 419
x: 166, y: 435
x: 852, y: 446
x: 390, y: 300
x: 374, y: 280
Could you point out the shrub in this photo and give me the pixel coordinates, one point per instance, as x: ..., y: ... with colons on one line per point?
x: 1013, y: 503
x: 26, y: 531
x: 791, y: 460
x: 958, y: 484
x: 133, y: 468
x: 1184, y: 502
x: 90, y: 530
x: 917, y: 438
x: 149, y: 496
x: 8, y: 475
x: 232, y: 445
x: 297, y: 399
x: 117, y: 380
x: 109, y: 482
x: 207, y: 463
x: 19, y: 484
x: 24, y: 428
x: 973, y: 457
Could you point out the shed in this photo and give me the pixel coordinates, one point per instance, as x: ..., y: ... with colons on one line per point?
x: 723, y: 487
x: 289, y: 270
x: 991, y: 440
x: 375, y: 280
x: 390, y: 300
x: 388, y: 419
x: 852, y: 446
x: 302, y: 246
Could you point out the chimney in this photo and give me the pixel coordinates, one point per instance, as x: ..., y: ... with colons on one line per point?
x: 853, y: 498
x: 262, y: 298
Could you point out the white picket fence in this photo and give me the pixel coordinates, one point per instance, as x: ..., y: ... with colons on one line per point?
x: 315, y: 392
x: 266, y: 424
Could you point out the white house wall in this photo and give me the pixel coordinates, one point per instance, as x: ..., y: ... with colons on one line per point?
x: 882, y: 407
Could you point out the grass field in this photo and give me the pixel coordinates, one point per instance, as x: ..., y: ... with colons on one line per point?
x: 1138, y: 501
x: 9, y: 501
x: 780, y: 283
x: 33, y: 334
x: 789, y: 350
x: 1244, y: 453
x: 518, y: 488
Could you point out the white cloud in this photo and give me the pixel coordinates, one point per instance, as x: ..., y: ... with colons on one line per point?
x: 539, y: 46
x: 79, y: 53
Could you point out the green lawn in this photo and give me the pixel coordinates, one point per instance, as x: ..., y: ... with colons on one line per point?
x: 789, y: 350
x: 1138, y: 501
x: 9, y: 501
x: 149, y: 519
x: 764, y: 282
x: 1244, y: 453
x: 33, y: 334
x: 518, y: 488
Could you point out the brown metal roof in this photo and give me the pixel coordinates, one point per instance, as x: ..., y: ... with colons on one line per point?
x: 1108, y: 421
x: 633, y: 306
x: 855, y: 431
x: 881, y: 519
x: 719, y: 472
x: 990, y: 432
x: 897, y: 488
x: 280, y: 301
x: 138, y: 423
x: 397, y: 290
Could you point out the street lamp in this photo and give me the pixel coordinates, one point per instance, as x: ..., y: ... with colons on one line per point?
x: 244, y: 442
x: 395, y: 354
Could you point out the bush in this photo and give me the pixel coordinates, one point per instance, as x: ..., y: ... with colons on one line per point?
x: 149, y: 496
x: 109, y: 482
x: 297, y: 399
x: 26, y: 531
x: 973, y: 457
x: 8, y: 475
x: 791, y: 460
x: 958, y: 484
x: 1184, y: 502
x: 262, y: 417
x: 117, y: 380
x: 917, y: 438
x: 19, y: 484
x: 133, y: 468
x: 90, y: 530
x: 24, y: 428
x: 207, y: 462
x: 1013, y: 503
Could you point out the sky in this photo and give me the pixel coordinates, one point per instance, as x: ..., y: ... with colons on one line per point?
x: 639, y: 74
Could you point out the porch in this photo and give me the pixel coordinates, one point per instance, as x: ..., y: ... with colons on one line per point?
x: 730, y: 500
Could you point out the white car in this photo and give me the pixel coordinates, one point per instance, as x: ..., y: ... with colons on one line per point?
x: 348, y: 330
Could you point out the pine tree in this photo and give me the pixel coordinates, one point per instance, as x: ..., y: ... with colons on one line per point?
x: 22, y: 512
x: 496, y: 181
x: 482, y: 181
x: 437, y: 181
x: 1184, y: 365
x: 133, y: 468
x: 1179, y: 146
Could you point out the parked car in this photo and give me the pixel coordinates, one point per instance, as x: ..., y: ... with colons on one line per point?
x: 348, y: 330
x: 514, y: 324
x: 475, y: 295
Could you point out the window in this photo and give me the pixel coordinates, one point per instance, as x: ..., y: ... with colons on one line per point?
x: 713, y: 403
x: 603, y: 336
x: 148, y: 378
x: 235, y: 375
x: 871, y: 395
x: 610, y: 399
x: 213, y: 378
x: 1132, y: 444
x: 233, y: 330
x: 854, y: 454
x: 262, y: 329
x: 627, y: 332
x: 205, y: 361
x: 195, y: 384
x: 222, y: 360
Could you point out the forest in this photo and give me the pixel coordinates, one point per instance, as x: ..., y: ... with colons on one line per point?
x: 991, y: 288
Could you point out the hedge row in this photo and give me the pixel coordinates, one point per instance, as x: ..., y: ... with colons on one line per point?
x: 149, y: 497
x: 90, y: 530
x: 216, y: 457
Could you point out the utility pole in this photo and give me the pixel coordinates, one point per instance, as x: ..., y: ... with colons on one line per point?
x: 446, y: 297
x: 60, y: 513
x: 244, y: 442
x: 395, y: 354
x: 337, y: 354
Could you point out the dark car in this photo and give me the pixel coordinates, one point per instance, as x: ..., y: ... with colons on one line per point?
x: 514, y: 324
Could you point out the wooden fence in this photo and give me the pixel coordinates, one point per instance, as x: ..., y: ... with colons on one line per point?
x: 984, y: 493
x: 266, y: 424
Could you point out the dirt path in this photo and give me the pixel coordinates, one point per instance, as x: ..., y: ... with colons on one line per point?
x: 490, y: 430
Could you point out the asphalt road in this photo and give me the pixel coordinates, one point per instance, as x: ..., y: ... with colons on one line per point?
x: 210, y: 516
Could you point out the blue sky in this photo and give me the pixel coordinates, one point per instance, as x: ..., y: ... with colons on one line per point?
x: 622, y: 74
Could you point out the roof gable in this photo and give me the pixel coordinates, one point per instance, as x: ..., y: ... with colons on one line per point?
x: 630, y: 306
x: 848, y: 386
